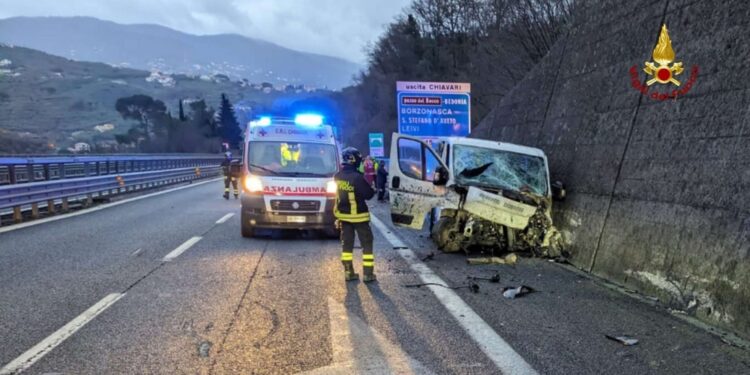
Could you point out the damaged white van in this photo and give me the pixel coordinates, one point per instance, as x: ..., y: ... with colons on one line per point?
x: 478, y: 193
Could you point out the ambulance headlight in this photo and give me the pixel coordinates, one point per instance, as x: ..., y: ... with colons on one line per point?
x: 253, y: 184
x: 332, y: 188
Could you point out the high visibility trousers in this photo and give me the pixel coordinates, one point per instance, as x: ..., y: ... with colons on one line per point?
x: 364, y: 232
x: 233, y: 181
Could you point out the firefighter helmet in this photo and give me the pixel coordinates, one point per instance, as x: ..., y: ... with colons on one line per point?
x: 351, y: 156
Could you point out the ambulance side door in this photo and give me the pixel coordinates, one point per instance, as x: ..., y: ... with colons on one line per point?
x: 417, y: 181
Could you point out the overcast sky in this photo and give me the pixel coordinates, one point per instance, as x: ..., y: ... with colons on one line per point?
x: 333, y: 27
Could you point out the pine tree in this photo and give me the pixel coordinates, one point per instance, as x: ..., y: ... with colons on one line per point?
x: 182, y: 113
x: 230, y: 128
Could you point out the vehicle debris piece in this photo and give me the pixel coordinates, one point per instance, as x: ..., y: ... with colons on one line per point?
x: 472, y: 287
x: 429, y: 256
x: 625, y: 340
x: 509, y: 259
x: 494, y: 279
x: 512, y: 292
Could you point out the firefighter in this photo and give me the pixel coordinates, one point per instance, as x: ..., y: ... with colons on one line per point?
x: 229, y: 177
x: 353, y: 215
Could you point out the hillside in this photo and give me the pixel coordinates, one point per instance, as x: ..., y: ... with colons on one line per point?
x: 150, y: 47
x: 46, y: 99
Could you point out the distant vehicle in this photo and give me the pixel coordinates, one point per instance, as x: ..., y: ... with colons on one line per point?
x: 288, y: 171
x: 478, y: 193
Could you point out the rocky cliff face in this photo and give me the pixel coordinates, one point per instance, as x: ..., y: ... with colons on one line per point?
x: 659, y: 190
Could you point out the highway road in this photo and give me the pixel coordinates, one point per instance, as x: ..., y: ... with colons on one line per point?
x: 166, y: 285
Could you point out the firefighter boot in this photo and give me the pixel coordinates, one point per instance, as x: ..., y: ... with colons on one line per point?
x: 226, y: 195
x: 369, y: 275
x: 349, y: 274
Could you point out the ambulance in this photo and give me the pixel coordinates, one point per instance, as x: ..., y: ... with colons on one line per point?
x: 287, y: 179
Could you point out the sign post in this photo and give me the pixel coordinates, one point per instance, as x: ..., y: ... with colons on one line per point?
x: 434, y: 109
x: 377, y: 146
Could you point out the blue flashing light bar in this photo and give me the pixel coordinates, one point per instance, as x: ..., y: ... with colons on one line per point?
x: 309, y: 119
x: 263, y: 121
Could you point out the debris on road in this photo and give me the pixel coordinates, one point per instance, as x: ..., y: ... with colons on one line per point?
x: 204, y: 349
x: 512, y: 292
x: 625, y: 340
x: 509, y: 259
x: 472, y: 287
x: 494, y: 279
x: 429, y: 256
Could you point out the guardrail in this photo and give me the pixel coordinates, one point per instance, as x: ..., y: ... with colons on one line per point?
x: 95, y: 178
x: 27, y: 169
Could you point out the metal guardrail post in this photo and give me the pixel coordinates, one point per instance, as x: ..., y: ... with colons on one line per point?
x: 12, y: 174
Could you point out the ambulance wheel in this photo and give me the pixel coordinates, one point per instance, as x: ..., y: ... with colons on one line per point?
x: 247, y: 230
x: 332, y: 233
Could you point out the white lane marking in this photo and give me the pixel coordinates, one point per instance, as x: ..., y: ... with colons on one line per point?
x: 27, y: 359
x: 496, y: 349
x: 98, y: 208
x: 359, y: 349
x: 182, y: 248
x: 137, y: 253
x: 224, y: 218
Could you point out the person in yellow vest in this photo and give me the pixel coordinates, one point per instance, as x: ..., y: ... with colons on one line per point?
x: 353, y: 215
x: 289, y: 153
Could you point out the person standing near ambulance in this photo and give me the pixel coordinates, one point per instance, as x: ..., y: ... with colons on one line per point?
x: 353, y: 215
x: 231, y: 170
x: 369, y: 170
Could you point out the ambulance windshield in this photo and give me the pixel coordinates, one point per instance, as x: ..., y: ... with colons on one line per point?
x: 297, y: 159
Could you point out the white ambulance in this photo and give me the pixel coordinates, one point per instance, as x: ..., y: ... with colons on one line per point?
x: 288, y: 169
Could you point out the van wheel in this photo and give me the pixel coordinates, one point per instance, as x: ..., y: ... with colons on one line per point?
x: 446, y: 235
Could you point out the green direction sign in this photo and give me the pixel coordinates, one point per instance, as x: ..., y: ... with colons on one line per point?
x: 377, y: 145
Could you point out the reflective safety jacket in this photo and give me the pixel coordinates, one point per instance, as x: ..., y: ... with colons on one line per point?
x: 353, y: 192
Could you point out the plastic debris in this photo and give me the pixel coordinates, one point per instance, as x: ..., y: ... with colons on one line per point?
x: 625, y: 340
x: 509, y: 259
x: 512, y: 292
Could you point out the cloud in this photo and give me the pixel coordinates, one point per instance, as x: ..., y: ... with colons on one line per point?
x: 333, y: 27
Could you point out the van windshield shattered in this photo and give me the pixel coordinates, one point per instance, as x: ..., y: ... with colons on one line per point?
x: 484, y: 167
x: 292, y: 159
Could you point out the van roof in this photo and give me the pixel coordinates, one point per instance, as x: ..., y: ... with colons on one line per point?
x: 495, y: 145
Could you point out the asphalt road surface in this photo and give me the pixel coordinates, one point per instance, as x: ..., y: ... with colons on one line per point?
x: 166, y: 285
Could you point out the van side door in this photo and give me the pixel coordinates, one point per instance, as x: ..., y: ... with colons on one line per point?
x: 417, y: 180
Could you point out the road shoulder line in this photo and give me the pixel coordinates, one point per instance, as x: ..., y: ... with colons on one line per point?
x: 31, y: 356
x: 496, y: 349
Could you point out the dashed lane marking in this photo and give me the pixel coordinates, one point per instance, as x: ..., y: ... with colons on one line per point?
x: 224, y: 218
x: 98, y: 208
x: 31, y: 356
x: 497, y: 350
x: 182, y: 248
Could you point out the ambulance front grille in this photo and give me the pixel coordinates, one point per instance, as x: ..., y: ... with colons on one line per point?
x: 295, y: 205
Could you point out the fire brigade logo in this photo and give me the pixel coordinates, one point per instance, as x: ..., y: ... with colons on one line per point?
x: 663, y: 56
x: 663, y: 70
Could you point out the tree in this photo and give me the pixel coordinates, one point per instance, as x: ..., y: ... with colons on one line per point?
x: 230, y: 128
x: 153, y: 120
